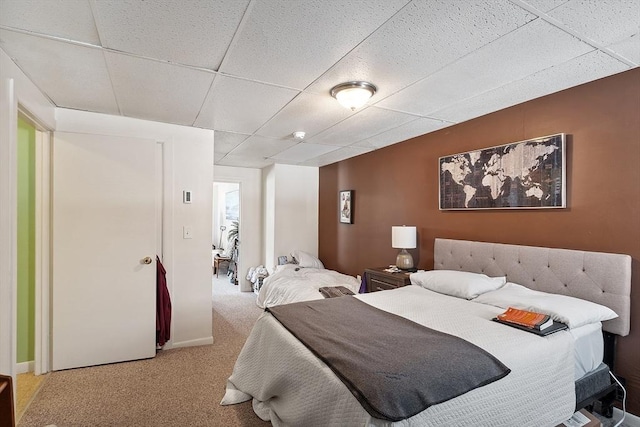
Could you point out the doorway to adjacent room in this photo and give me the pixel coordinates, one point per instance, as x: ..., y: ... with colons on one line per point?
x: 226, y: 247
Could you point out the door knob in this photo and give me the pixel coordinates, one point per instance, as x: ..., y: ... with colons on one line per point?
x: 147, y: 260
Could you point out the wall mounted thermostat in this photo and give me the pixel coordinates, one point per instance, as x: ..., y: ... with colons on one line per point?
x: 186, y: 196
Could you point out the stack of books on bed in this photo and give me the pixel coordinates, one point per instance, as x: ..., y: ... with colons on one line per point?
x: 530, y: 321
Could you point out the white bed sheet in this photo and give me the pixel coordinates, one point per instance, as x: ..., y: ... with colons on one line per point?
x: 290, y: 386
x: 588, y: 348
x: 292, y: 283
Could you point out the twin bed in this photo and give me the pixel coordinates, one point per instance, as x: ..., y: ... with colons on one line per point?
x: 547, y: 378
x: 293, y: 283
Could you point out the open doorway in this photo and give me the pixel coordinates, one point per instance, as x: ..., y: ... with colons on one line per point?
x: 225, y: 233
x: 32, y: 258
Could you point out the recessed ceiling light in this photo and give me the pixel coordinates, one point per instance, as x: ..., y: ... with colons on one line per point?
x: 353, y: 95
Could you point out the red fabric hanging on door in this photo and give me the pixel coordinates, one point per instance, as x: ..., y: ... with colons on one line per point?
x: 163, y: 305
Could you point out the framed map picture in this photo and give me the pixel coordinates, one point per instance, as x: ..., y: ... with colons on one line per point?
x: 522, y: 175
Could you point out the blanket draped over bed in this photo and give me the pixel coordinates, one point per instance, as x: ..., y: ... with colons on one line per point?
x: 290, y: 386
x: 434, y: 366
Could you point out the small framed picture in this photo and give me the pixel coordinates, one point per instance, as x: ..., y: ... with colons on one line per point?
x: 345, y: 207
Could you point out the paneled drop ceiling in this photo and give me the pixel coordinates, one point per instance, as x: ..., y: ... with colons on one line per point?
x: 255, y: 71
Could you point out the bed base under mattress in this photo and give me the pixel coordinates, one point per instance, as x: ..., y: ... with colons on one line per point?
x: 596, y: 391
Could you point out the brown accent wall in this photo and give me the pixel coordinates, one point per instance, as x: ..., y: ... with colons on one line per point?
x: 399, y: 185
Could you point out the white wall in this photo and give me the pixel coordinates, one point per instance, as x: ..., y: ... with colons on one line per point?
x: 250, y: 217
x: 291, y: 210
x: 16, y: 90
x: 188, y: 165
x: 269, y: 186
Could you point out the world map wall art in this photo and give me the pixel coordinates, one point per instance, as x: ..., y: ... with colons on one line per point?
x: 522, y: 175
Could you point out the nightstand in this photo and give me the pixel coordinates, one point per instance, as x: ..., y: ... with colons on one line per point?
x: 379, y: 280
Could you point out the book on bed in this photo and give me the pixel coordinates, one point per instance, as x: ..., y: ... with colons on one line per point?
x: 530, y: 321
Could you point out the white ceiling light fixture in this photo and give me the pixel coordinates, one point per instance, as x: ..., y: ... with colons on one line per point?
x: 353, y: 95
x: 299, y: 135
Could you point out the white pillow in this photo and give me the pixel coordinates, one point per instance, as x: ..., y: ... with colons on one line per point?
x: 304, y: 259
x: 462, y: 284
x: 574, y: 312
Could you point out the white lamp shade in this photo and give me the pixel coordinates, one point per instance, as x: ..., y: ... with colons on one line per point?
x: 353, y: 98
x: 403, y: 237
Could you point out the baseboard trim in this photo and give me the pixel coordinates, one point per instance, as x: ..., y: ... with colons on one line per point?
x: 24, y: 367
x: 191, y: 343
x: 630, y: 420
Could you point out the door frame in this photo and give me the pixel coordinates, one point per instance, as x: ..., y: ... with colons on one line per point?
x: 240, y: 265
x: 8, y: 233
x: 42, y: 352
x: 41, y: 362
x: 8, y: 227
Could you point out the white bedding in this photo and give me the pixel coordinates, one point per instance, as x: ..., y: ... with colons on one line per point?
x: 588, y: 348
x: 291, y: 283
x: 290, y: 386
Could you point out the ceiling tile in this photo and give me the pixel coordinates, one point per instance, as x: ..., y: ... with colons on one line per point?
x: 546, y: 5
x: 68, y: 19
x: 402, y: 133
x: 245, y: 162
x: 217, y: 157
x: 157, y: 90
x: 628, y: 48
x: 227, y: 141
x: 336, y: 156
x: 303, y: 151
x: 294, y: 43
x: 194, y: 32
x: 241, y: 106
x: 591, y: 66
x: 259, y: 146
x: 605, y: 22
x: 79, y: 71
x: 366, y: 123
x: 421, y: 39
x: 309, y: 113
x: 531, y: 48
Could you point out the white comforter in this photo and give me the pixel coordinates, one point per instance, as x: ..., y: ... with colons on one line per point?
x: 291, y: 387
x: 291, y: 283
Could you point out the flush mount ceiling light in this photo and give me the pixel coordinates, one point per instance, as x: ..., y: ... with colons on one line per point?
x: 353, y: 95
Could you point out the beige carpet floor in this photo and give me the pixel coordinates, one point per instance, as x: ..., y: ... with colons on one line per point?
x: 179, y: 387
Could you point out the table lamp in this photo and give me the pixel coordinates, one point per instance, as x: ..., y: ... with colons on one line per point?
x: 403, y: 238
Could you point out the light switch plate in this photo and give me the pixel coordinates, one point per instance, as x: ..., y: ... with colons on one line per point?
x: 187, y: 232
x: 186, y: 196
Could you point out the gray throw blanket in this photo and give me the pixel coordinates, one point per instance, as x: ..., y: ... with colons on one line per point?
x: 396, y: 368
x: 335, y: 291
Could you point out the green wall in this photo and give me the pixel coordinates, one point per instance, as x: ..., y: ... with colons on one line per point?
x: 26, y: 242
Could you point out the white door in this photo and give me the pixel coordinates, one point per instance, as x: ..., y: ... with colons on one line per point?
x: 104, y: 225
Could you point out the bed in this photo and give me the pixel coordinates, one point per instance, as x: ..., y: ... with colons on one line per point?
x: 294, y: 282
x: 289, y: 385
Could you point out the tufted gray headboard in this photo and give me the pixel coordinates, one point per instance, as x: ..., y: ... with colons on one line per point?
x: 594, y: 276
